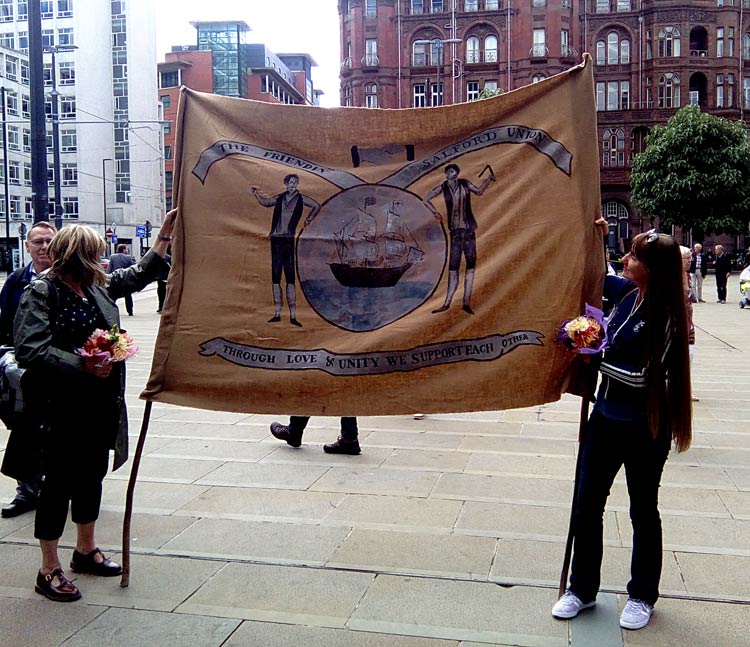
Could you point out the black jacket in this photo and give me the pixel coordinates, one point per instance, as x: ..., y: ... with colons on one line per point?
x: 694, y: 264
x: 10, y: 297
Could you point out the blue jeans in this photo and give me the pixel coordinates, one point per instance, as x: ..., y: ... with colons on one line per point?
x: 349, y: 430
x: 610, y: 444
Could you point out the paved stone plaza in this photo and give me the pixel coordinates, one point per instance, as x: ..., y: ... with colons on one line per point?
x: 446, y: 531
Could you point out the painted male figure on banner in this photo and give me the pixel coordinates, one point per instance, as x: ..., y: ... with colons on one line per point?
x: 462, y: 225
x: 287, y: 211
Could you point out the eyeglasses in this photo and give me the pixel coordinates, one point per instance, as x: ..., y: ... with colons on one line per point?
x: 651, y: 236
x: 38, y: 242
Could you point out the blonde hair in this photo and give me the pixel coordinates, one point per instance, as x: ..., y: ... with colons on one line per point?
x: 75, y: 252
x: 687, y: 258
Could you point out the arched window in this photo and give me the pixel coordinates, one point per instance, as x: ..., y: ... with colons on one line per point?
x: 613, y: 147
x: 537, y: 77
x: 419, y: 54
x: 472, y: 49
x: 612, y: 48
x: 624, y: 51
x: 371, y: 95
x: 490, y: 49
x: 617, y: 216
x: 601, y: 52
x: 669, y: 91
x: 669, y: 42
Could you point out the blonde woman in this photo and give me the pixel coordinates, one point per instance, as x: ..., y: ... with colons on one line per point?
x: 83, y: 400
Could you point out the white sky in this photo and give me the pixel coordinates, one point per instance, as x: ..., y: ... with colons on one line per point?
x: 310, y: 26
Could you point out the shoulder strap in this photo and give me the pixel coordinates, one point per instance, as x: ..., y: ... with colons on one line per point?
x: 53, y: 297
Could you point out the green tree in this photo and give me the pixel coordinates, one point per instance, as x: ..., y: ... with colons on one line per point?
x: 487, y: 93
x: 695, y: 173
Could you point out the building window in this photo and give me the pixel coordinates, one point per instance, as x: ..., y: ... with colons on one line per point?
x: 13, y: 141
x: 719, y: 90
x: 171, y: 79
x: 417, y: 6
x: 437, y: 6
x: 47, y: 8
x: 167, y: 152
x: 70, y: 208
x: 11, y: 103
x: 67, y: 73
x: 490, y: 86
x: 168, y: 181
x: 23, y: 10
x: 48, y: 37
x: 602, y: 6
x: 564, y: 42
x: 617, y: 50
x: 67, y: 107
x: 471, y: 5
x: 371, y: 95
x: 25, y: 106
x: 669, y: 91
x: 719, y: 42
x: 65, y: 37
x: 491, y: 4
x: 166, y: 101
x: 28, y: 207
x: 6, y: 10
x: 472, y: 90
x: 472, y: 49
x: 669, y: 42
x: 539, y: 47
x: 623, y: 5
x: 371, y: 53
x: 612, y: 95
x: 27, y: 174
x: 15, y: 207
x: 537, y: 78
x: 64, y: 8
x: 23, y: 42
x: 538, y: 3
x: 47, y: 74
x: 69, y: 175
x: 420, y: 96
x: 436, y: 95
x: 7, y: 40
x: 601, y: 52
x: 371, y: 8
x: 613, y: 147
x: 14, y: 172
x: 490, y: 49
x: 419, y: 54
x: 26, y: 140
x: 168, y: 124
x: 730, y: 91
x: 68, y: 141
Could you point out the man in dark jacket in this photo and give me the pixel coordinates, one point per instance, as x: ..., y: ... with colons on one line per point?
x: 118, y: 261
x: 698, y: 270
x: 723, y: 268
x: 37, y: 241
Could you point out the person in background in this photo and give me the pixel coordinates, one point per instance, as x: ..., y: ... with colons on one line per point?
x: 745, y: 284
x: 87, y: 415
x: 27, y: 472
x: 121, y: 260
x: 722, y: 269
x: 698, y: 270
x: 643, y: 403
x: 687, y: 286
x: 347, y: 443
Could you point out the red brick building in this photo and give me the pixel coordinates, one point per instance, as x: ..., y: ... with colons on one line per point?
x: 223, y: 62
x: 651, y: 57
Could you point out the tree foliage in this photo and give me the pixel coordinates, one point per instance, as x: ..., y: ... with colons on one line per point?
x: 695, y: 173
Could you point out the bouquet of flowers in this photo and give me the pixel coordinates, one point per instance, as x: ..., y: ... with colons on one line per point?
x: 113, y: 345
x: 586, y: 334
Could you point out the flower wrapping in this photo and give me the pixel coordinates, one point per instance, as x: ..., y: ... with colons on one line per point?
x: 113, y: 345
x: 585, y: 334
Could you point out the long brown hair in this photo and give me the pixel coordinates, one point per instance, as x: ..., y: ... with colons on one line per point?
x: 75, y: 252
x: 668, y: 373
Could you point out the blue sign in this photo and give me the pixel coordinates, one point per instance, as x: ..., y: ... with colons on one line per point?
x: 140, y: 231
x: 114, y: 239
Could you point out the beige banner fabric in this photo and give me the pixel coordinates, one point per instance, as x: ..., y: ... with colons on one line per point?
x: 367, y: 262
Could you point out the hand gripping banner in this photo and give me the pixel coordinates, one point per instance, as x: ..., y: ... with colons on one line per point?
x: 363, y: 262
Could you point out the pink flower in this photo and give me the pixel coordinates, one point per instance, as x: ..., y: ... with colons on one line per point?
x: 111, y: 345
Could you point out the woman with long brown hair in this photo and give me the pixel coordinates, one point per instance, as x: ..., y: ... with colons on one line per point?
x: 643, y: 404
x: 82, y: 399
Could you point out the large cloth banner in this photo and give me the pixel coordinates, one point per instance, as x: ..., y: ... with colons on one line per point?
x: 365, y: 262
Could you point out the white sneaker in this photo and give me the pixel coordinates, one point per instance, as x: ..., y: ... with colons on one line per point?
x: 636, y: 614
x: 418, y: 416
x: 569, y: 605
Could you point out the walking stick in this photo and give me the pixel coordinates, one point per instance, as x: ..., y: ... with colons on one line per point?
x: 571, y: 526
x: 125, y: 579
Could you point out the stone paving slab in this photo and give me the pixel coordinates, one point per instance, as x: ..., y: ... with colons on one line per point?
x: 396, y: 511
x: 507, y: 489
x: 153, y: 497
x: 169, y: 470
x: 218, y: 450
x: 214, y: 431
x: 376, y: 481
x: 311, y: 454
x: 266, y: 475
x: 134, y: 628
x: 267, y: 634
x: 414, y: 439
x: 415, y: 553
x: 306, y: 596
x: 715, y: 576
x: 281, y: 543
x: 521, y: 465
x: 52, y: 623
x: 522, y: 445
x: 431, y: 460
x: 460, y: 611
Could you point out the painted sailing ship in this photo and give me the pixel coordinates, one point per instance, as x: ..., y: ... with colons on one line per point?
x: 370, y: 256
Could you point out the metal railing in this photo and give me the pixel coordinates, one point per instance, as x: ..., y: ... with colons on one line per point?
x: 370, y: 60
x: 539, y: 51
x: 346, y: 64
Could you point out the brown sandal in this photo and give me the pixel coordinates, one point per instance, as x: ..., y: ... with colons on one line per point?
x: 65, y: 591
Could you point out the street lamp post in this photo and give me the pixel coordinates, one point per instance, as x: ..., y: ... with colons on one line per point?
x: 52, y: 49
x: 104, y: 196
x: 5, y: 182
x: 438, y: 44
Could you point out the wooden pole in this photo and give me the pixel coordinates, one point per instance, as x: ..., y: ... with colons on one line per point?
x: 125, y: 579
